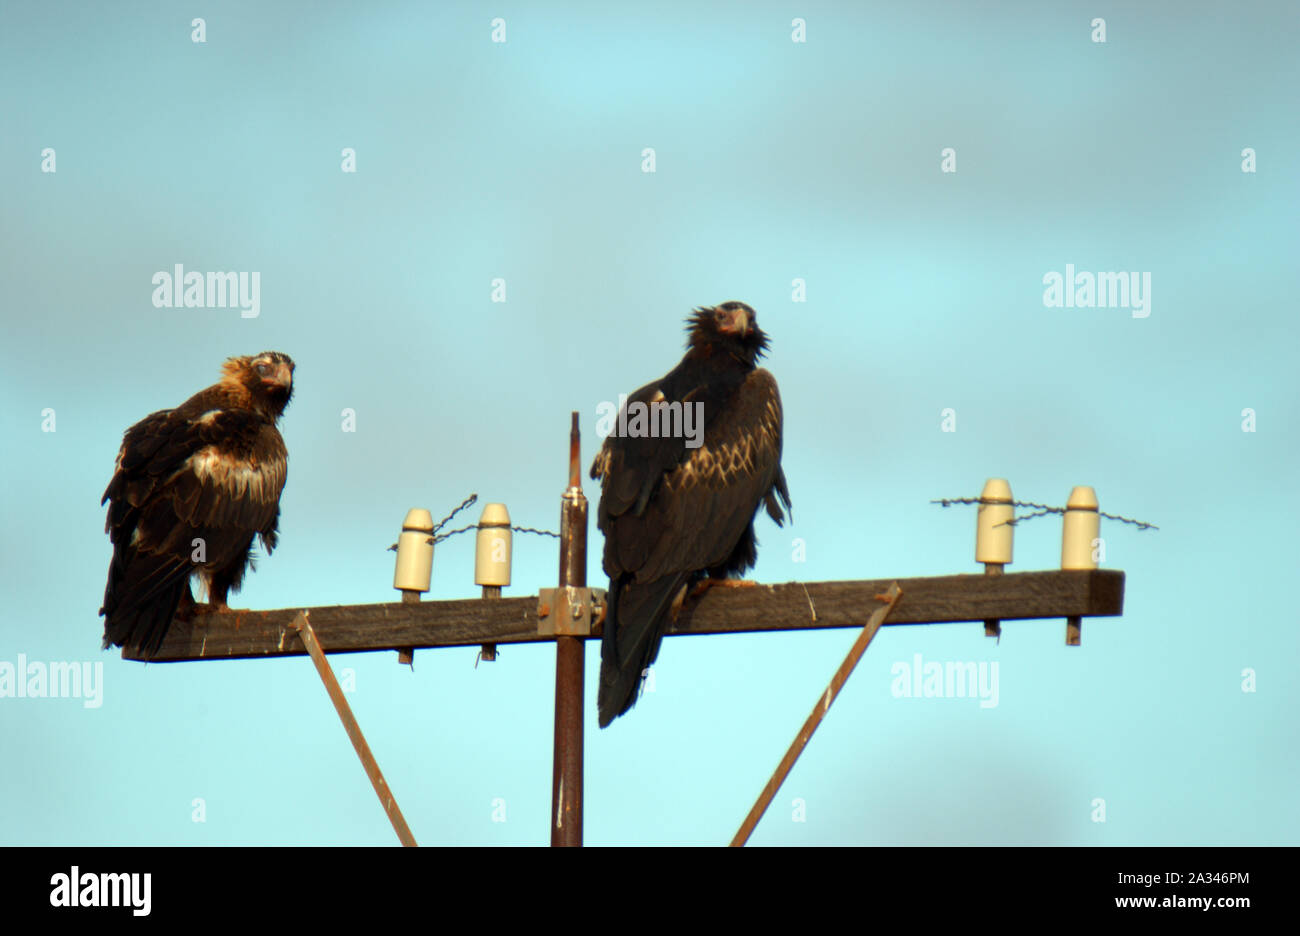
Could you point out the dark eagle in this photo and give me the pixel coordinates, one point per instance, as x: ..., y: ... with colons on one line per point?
x: 192, y: 489
x: 676, y: 510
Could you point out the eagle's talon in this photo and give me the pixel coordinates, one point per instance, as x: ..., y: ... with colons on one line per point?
x: 708, y: 583
x: 185, y: 611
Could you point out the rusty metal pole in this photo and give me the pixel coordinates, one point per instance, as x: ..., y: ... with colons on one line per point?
x: 570, y: 659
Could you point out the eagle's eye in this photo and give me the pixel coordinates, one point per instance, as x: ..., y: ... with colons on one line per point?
x: 263, y: 369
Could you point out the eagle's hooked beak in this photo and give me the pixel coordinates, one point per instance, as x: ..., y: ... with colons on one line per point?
x: 282, y: 376
x: 737, y: 323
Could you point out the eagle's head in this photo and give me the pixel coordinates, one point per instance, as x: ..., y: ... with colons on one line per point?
x: 267, y: 378
x: 731, y: 327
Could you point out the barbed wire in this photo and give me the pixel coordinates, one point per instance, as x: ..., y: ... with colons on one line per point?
x: 467, y: 502
x: 473, y: 498
x: 493, y: 526
x: 1040, y: 510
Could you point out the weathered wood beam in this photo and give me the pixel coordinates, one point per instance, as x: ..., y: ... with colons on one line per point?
x: 793, y: 606
x: 942, y: 599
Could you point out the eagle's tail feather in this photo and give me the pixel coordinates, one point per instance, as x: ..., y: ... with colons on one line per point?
x: 639, y: 614
x: 140, y: 601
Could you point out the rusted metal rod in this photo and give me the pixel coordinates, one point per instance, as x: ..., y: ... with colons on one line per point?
x: 488, y: 652
x: 992, y: 626
x: 890, y: 598
x: 406, y: 655
x: 570, y: 659
x: 303, y: 627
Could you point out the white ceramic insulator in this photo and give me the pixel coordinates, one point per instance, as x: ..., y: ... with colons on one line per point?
x: 493, y: 548
x: 1082, y: 526
x: 993, y: 534
x: 415, y: 552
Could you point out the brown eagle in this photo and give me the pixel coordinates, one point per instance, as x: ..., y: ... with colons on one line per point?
x: 677, y: 507
x: 192, y: 489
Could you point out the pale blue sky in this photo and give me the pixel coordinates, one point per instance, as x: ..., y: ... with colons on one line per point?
x: 775, y: 160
